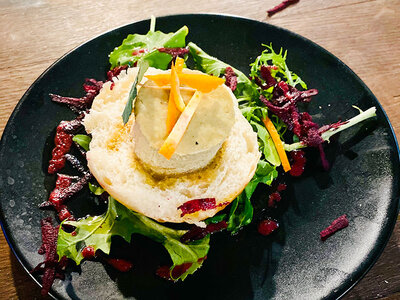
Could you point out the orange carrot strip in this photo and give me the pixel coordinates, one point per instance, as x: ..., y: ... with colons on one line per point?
x: 180, y: 105
x: 201, y: 82
x: 179, y: 64
x: 278, y: 143
x: 172, y: 113
x: 176, y: 135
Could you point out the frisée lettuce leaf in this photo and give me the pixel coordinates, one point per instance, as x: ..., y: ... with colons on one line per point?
x: 97, y: 232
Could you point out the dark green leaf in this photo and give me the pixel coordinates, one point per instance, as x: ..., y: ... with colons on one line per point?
x: 97, y: 190
x: 215, y: 219
x: 83, y: 140
x: 119, y: 220
x: 144, y: 65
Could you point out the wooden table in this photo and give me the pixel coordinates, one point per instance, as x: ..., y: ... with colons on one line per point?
x: 365, y: 34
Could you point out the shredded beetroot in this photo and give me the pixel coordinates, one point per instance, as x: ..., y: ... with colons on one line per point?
x: 281, y: 6
x: 281, y: 187
x: 273, y: 199
x: 166, y: 273
x: 266, y: 227
x: 121, y: 265
x: 114, y: 73
x: 175, y: 52
x: 88, y: 252
x: 335, y: 226
x: 192, y: 206
x: 64, y: 189
x: 197, y: 233
x: 298, y: 162
x: 76, y: 163
x: 51, y: 268
x: 91, y: 86
x: 63, y: 142
x: 230, y: 78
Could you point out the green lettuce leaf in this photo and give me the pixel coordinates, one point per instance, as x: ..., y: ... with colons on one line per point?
x: 119, y: 220
x: 241, y: 212
x: 82, y: 140
x: 122, y: 55
x: 266, y: 144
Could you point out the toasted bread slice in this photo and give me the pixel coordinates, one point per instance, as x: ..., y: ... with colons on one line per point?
x: 112, y: 161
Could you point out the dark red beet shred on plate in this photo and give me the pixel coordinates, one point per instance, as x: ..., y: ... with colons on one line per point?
x: 230, y: 78
x: 197, y: 233
x: 51, y: 268
x: 336, y: 225
x: 268, y: 226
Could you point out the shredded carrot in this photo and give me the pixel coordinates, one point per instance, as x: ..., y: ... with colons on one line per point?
x: 172, y: 141
x: 172, y: 113
x: 201, y: 82
x: 179, y: 64
x: 278, y: 143
x: 180, y: 105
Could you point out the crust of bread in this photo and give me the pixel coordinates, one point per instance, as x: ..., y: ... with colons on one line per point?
x: 112, y: 161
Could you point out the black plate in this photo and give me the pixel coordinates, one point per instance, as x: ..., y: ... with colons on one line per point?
x: 293, y: 263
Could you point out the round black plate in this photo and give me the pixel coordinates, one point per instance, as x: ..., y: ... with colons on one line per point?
x: 291, y: 264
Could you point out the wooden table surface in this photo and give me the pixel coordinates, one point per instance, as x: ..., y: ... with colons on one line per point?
x: 365, y: 34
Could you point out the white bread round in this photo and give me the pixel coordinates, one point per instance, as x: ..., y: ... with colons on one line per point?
x: 112, y: 161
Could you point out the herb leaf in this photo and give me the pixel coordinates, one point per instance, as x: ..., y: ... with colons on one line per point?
x: 97, y: 190
x: 83, y: 140
x: 144, y: 65
x: 119, y: 220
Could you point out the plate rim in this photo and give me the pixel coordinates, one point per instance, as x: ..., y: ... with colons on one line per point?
x: 390, y: 225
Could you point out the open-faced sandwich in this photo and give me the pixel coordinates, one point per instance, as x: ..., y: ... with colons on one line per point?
x: 168, y: 143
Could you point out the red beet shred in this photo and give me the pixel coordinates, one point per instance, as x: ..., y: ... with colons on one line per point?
x: 88, y: 252
x: 121, y: 265
x: 281, y: 6
x: 63, y: 142
x: 174, y: 51
x: 266, y: 227
x: 298, y: 162
x: 51, y: 268
x: 336, y: 225
x: 166, y: 273
x: 65, y: 188
x: 230, y: 78
x: 92, y: 88
x: 192, y: 206
x: 197, y: 233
